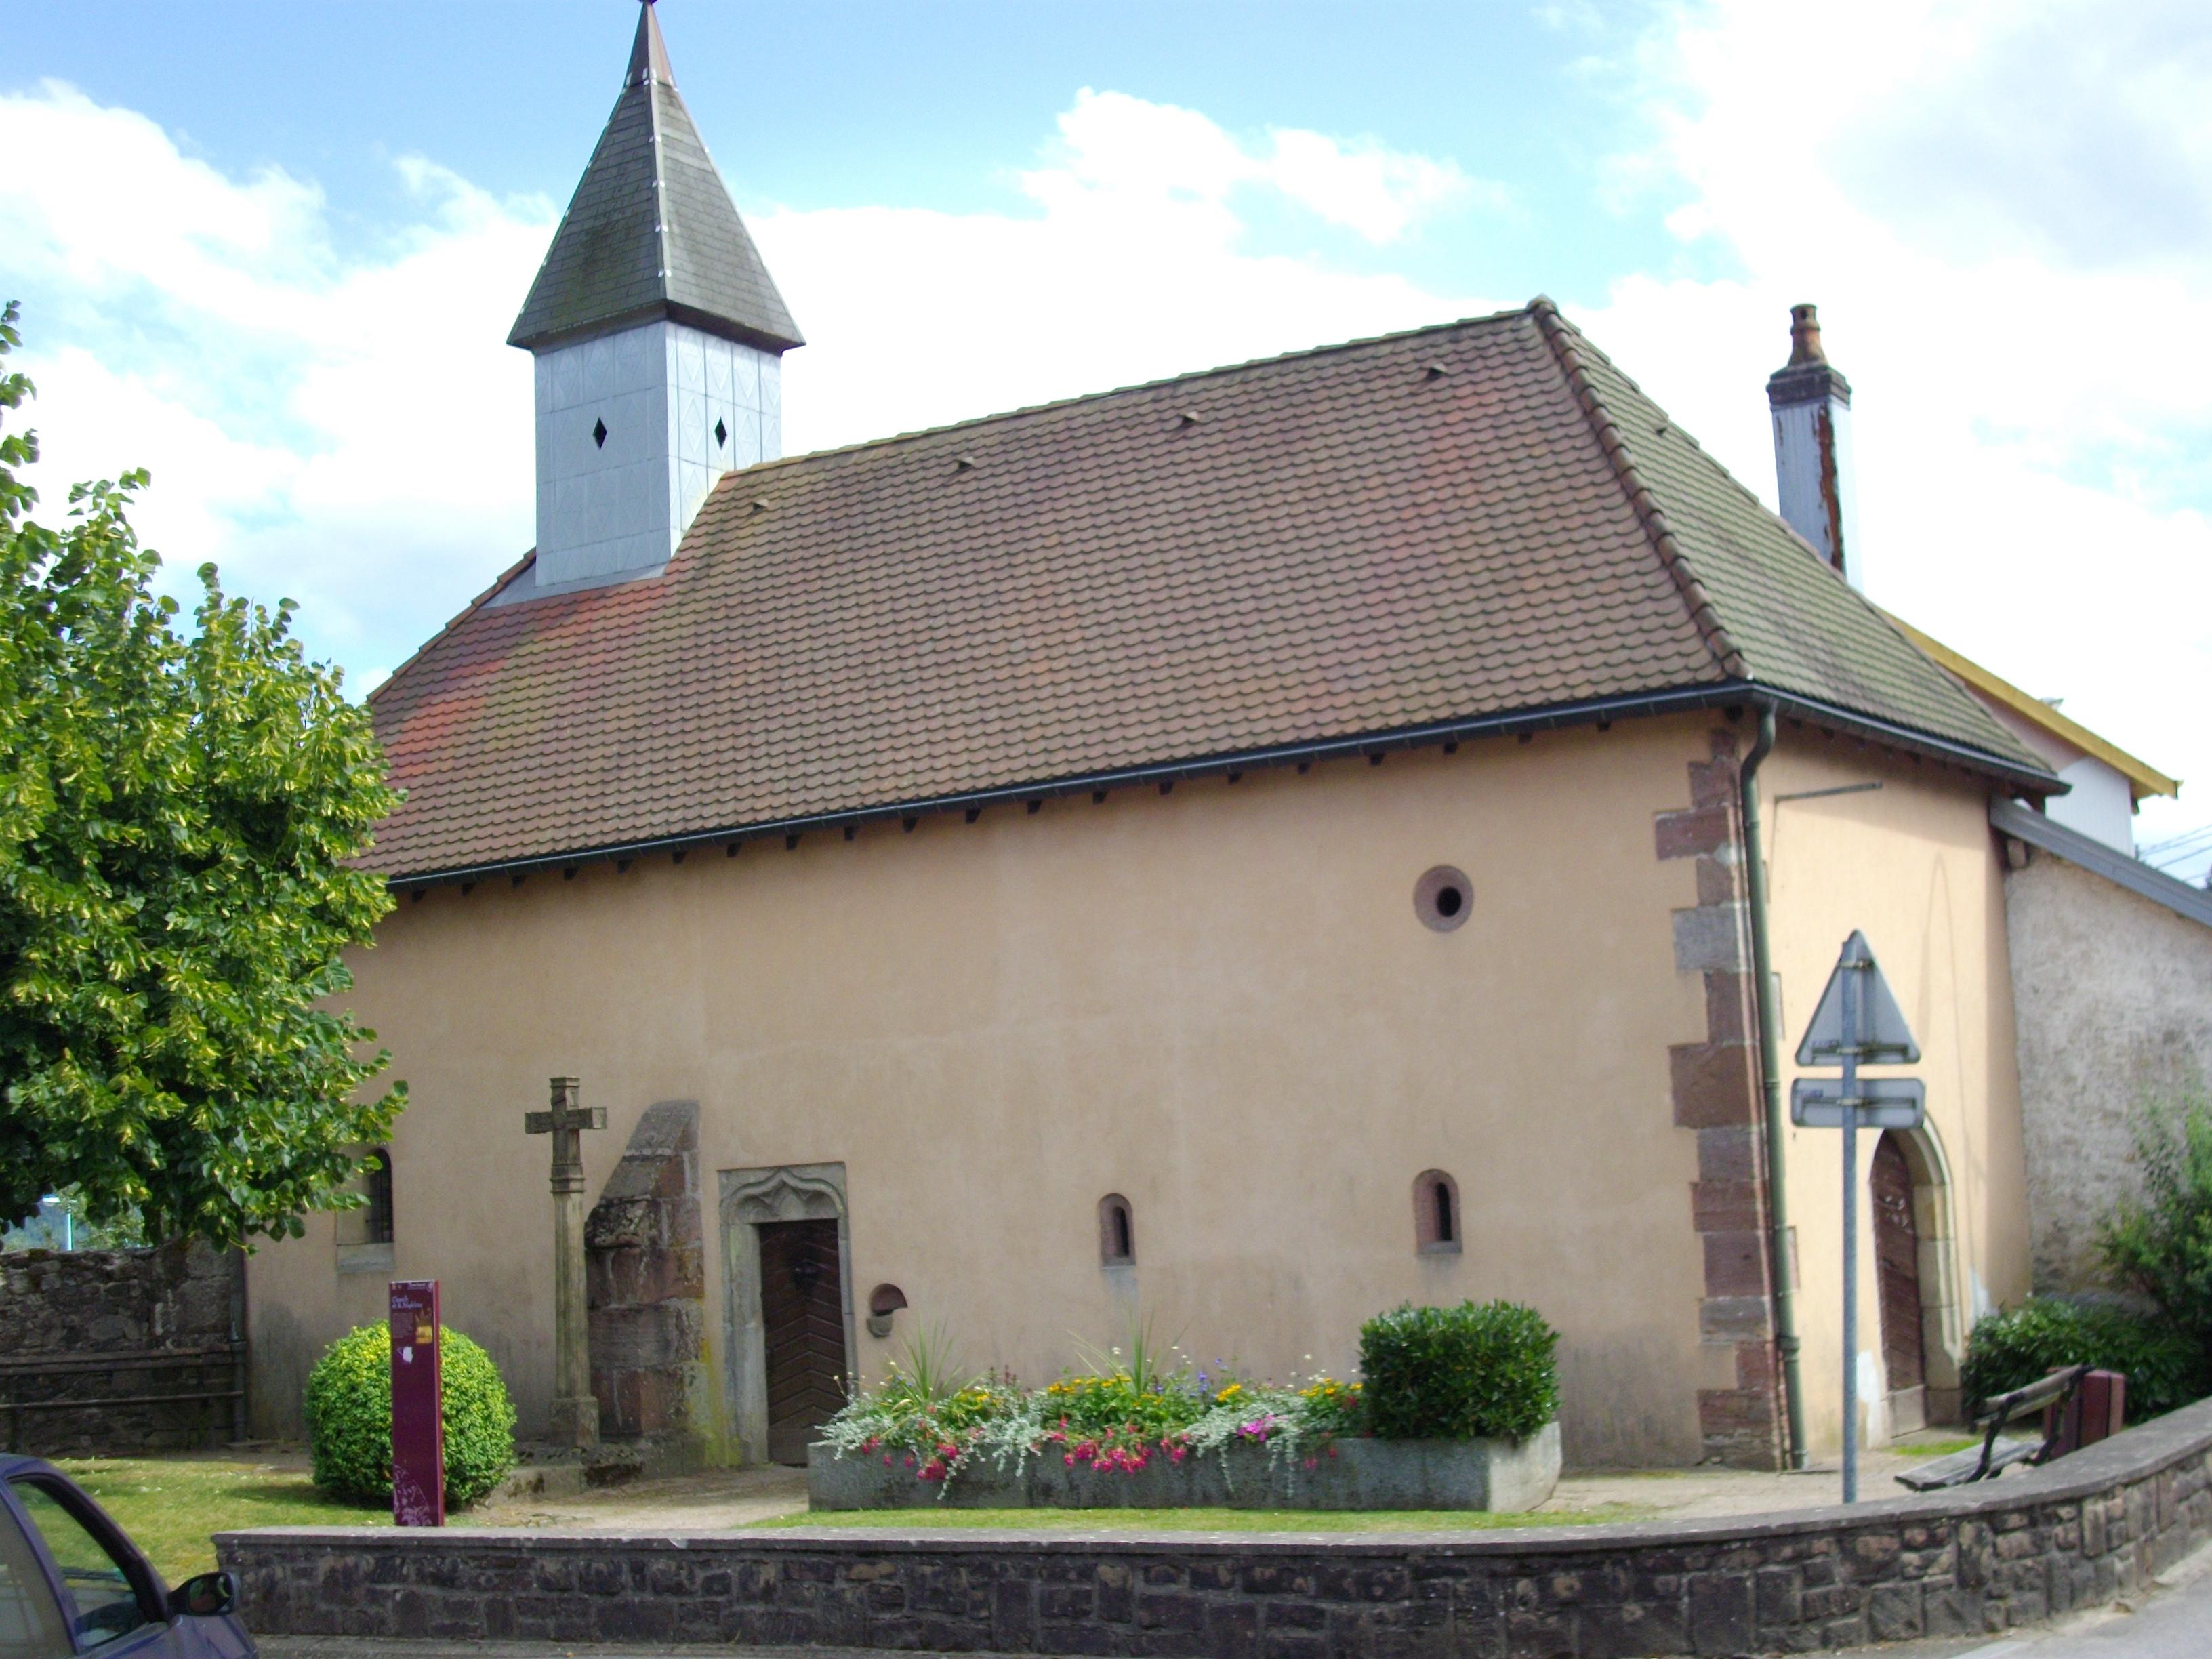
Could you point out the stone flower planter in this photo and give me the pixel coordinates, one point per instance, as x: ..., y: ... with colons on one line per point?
x: 1364, y: 1474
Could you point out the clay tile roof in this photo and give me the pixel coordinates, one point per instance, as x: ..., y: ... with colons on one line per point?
x: 1343, y: 543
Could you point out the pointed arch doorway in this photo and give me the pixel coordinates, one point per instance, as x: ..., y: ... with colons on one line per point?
x: 787, y: 1251
x: 1897, y: 1278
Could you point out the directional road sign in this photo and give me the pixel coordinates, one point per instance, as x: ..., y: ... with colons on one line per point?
x: 1857, y: 1024
x: 1819, y: 1102
x: 1884, y: 1039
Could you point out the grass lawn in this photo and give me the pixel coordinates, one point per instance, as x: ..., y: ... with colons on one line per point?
x: 1202, y: 1520
x: 172, y: 1507
x: 1936, y: 1448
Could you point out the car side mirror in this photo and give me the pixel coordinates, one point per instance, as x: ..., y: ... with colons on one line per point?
x: 210, y: 1595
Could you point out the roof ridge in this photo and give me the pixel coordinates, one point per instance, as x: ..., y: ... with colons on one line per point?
x: 455, y: 620
x: 1562, y: 335
x: 1052, y: 403
x: 1712, y: 461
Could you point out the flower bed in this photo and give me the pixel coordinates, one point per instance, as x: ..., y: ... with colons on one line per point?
x: 1141, y: 1433
x: 1118, y: 1423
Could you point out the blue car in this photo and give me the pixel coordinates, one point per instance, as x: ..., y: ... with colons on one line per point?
x: 72, y: 1582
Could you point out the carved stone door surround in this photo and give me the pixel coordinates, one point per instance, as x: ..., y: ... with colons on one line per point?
x: 784, y: 1192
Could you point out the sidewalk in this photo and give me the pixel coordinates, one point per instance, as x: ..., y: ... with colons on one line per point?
x: 720, y: 1499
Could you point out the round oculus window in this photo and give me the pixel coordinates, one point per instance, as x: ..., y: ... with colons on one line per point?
x: 1442, y: 898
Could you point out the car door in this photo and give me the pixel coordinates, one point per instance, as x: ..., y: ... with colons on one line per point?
x: 31, y: 1622
x: 109, y: 1602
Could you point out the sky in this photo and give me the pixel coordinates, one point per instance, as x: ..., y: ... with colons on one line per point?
x: 271, y: 252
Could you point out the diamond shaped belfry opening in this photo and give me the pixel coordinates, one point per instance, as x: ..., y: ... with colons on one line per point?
x: 599, y: 433
x: 721, y: 435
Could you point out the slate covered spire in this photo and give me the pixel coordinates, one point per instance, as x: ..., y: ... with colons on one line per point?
x: 650, y: 231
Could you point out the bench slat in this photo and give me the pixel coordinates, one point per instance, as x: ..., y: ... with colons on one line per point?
x: 1959, y: 1467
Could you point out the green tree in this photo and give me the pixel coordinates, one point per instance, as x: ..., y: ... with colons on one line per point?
x: 178, y: 811
x: 2160, y: 1245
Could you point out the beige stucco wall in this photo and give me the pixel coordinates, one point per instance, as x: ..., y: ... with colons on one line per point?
x: 1219, y: 1002
x: 1915, y: 866
x: 2113, y: 995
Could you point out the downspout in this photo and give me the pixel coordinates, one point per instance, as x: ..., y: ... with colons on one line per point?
x: 1770, y: 1081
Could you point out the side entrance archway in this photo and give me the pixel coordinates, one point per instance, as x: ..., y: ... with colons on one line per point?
x: 787, y: 1250
x: 1922, y: 1336
x: 1897, y: 1276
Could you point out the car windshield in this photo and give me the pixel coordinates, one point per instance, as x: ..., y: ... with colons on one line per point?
x: 104, y: 1602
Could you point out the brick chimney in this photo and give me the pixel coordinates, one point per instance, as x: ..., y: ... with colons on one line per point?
x: 1812, y: 407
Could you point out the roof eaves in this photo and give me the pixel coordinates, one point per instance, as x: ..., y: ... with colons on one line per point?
x: 1598, y: 711
x: 2143, y: 779
x: 2035, y: 779
x: 1562, y: 337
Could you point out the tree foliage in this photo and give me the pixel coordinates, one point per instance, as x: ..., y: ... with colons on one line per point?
x: 177, y: 811
x: 2160, y: 1245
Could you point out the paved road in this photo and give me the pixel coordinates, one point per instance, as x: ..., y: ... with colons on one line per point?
x: 2170, y: 1623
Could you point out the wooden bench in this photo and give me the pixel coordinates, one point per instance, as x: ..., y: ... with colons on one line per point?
x: 1998, y: 1455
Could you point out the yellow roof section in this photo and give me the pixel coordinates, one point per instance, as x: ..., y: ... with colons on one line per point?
x: 2142, y: 778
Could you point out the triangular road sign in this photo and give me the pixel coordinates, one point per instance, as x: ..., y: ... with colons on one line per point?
x: 1884, y: 1039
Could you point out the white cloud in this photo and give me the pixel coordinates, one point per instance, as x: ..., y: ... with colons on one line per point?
x: 2031, y: 349
x: 351, y: 430
x: 2031, y: 343
x: 1133, y: 265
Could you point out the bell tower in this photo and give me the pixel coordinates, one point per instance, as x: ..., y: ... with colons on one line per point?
x: 658, y: 336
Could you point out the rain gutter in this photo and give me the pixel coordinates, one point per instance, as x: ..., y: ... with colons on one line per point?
x: 1781, y: 1267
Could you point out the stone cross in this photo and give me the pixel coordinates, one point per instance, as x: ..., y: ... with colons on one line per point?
x: 575, y: 1412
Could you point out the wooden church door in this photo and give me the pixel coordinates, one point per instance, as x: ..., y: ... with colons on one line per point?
x: 802, y: 1321
x: 1897, y: 1271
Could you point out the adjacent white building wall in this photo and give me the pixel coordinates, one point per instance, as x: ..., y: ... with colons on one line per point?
x: 616, y: 505
x: 2100, y: 804
x: 2112, y: 1005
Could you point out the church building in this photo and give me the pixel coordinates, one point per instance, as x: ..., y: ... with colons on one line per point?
x: 1241, y: 852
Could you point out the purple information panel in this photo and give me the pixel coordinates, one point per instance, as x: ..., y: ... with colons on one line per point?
x: 418, y: 1439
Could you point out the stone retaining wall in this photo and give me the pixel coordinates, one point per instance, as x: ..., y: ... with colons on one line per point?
x: 2091, y: 1528
x: 113, y: 1352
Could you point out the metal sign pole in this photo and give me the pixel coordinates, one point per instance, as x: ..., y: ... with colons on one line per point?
x: 1849, y: 1057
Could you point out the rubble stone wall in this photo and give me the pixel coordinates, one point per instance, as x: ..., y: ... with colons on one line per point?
x: 2088, y: 1530
x: 116, y: 1329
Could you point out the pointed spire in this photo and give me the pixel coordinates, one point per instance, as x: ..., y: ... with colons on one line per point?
x: 648, y: 53
x: 650, y: 231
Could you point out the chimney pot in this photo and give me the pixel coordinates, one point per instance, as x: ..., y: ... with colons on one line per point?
x: 1805, y: 335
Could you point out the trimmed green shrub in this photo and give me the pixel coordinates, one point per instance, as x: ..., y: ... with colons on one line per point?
x: 2010, y: 1350
x: 350, y: 1417
x: 1467, y: 1373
